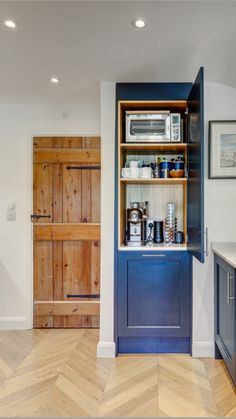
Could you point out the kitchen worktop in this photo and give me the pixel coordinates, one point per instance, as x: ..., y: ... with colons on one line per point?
x: 226, y: 251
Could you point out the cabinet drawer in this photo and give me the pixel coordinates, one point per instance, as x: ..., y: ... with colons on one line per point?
x: 225, y: 291
x: 153, y: 294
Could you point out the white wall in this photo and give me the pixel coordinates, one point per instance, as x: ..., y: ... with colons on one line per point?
x: 220, y: 209
x: 106, y: 346
x: 220, y: 206
x: 17, y: 126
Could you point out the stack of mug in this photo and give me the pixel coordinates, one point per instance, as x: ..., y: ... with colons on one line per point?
x: 170, y: 223
x: 162, y: 168
x: 136, y: 169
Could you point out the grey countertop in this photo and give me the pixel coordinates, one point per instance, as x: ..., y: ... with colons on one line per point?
x: 226, y: 251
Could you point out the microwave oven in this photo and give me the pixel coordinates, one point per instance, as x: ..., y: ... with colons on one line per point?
x: 153, y: 126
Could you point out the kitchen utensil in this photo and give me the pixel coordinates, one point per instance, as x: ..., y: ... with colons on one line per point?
x: 179, y: 237
x: 158, y: 232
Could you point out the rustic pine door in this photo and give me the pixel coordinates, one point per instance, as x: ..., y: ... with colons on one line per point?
x: 66, y: 217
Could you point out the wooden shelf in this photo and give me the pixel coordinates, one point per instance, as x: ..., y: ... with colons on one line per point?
x: 170, y: 105
x: 155, y: 181
x: 173, y: 147
x: 155, y: 247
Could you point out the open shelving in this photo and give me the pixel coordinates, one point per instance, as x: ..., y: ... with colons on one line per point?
x: 157, y: 191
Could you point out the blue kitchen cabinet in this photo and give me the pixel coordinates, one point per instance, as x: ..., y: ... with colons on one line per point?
x: 153, y: 302
x: 153, y: 288
x: 225, y: 314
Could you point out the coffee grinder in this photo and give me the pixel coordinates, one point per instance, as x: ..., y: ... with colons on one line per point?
x: 136, y: 224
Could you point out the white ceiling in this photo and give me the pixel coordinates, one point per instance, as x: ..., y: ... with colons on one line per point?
x: 86, y: 42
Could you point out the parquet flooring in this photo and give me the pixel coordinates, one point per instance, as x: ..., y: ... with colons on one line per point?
x: 56, y: 373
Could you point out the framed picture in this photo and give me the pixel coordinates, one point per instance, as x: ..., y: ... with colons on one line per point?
x: 222, y: 149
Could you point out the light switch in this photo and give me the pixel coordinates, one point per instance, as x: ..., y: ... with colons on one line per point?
x: 11, y: 212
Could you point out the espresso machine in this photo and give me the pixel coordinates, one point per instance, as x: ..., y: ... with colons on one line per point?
x: 136, y: 232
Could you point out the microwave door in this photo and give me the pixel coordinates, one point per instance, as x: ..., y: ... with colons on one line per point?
x: 148, y: 129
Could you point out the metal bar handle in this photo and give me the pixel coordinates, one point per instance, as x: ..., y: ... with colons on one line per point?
x: 206, y: 242
x: 153, y: 256
x: 228, y: 294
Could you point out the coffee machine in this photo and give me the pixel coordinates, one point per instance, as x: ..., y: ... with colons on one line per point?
x: 136, y: 232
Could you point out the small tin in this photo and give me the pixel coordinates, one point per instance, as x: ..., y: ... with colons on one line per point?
x: 165, y: 168
x: 155, y: 169
x: 178, y: 164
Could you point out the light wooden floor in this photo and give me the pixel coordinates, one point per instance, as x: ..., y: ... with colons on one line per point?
x: 56, y: 373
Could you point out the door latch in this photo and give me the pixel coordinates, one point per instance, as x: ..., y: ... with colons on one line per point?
x: 38, y: 216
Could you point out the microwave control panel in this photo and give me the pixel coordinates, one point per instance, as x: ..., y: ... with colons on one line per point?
x: 175, y: 123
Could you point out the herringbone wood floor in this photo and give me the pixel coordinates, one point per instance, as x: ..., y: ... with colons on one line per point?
x: 56, y: 373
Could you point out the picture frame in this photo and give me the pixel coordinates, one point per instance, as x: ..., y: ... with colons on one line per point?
x: 222, y: 149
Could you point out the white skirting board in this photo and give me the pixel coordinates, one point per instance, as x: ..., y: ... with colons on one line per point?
x: 106, y: 350
x: 15, y: 323
x: 199, y: 350
x: 203, y: 350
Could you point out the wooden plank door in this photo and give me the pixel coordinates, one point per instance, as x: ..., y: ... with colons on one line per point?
x: 66, y: 208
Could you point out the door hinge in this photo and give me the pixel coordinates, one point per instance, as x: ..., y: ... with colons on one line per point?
x: 82, y: 295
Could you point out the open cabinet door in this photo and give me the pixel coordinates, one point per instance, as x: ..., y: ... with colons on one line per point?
x: 196, y: 168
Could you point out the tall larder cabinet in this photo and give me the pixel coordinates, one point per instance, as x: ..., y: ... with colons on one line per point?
x: 153, y: 282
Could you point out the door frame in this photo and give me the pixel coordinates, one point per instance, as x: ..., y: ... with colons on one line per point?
x: 30, y: 258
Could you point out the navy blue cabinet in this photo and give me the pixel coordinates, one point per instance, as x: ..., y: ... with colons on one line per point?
x: 153, y: 295
x: 225, y: 314
x: 195, y: 214
x: 153, y: 301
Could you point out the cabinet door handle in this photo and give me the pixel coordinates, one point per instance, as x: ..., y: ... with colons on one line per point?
x: 206, y: 242
x: 228, y: 296
x: 153, y: 256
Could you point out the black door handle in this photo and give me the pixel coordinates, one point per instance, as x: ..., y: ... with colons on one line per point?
x: 37, y: 216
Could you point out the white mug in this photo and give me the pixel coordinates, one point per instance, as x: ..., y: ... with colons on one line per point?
x: 134, y: 163
x: 146, y: 172
x: 134, y: 172
x: 125, y: 173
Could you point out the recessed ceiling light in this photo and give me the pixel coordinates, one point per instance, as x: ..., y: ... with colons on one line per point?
x: 54, y: 80
x: 10, y: 24
x: 139, y: 23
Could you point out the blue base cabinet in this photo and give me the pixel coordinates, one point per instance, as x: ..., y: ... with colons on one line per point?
x: 225, y: 314
x: 153, y: 301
